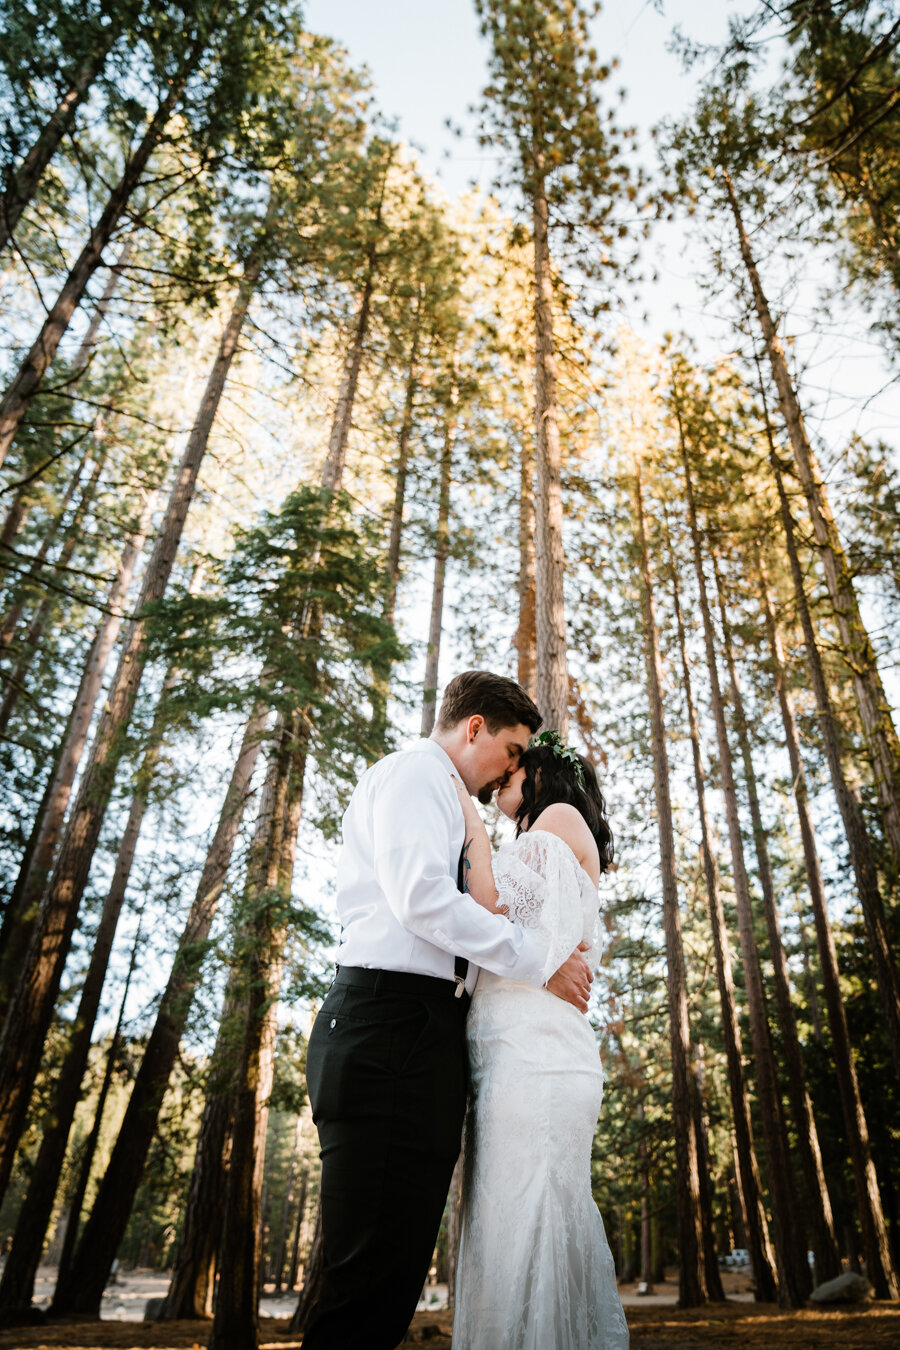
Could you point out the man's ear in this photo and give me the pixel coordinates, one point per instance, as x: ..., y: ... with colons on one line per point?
x: 473, y: 726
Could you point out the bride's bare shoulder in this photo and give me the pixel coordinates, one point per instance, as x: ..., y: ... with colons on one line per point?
x: 570, y: 825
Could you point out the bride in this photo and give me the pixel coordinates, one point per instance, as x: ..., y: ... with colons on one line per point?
x: 535, y: 1271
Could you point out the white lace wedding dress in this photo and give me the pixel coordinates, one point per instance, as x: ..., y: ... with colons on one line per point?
x: 535, y: 1270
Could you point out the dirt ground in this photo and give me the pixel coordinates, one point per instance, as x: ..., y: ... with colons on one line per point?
x: 656, y: 1324
x: 723, y: 1327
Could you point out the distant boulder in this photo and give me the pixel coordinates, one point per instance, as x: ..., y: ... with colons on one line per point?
x: 846, y: 1288
x: 153, y: 1308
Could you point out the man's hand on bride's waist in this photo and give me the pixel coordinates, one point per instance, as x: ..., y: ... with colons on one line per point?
x: 572, y: 982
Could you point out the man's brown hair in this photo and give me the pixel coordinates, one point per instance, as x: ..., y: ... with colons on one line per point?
x: 500, y: 701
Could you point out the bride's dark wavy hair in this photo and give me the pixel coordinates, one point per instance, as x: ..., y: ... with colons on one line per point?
x: 549, y: 779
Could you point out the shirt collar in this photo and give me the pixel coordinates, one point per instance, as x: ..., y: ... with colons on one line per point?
x: 428, y: 746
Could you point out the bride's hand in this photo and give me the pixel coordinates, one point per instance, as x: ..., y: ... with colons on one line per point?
x: 479, y: 877
x: 470, y: 811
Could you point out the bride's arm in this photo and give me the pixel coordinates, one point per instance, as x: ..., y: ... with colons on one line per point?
x: 479, y: 879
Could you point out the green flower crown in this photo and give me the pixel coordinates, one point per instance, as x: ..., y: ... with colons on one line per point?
x: 552, y: 740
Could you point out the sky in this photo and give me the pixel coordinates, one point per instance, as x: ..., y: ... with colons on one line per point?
x: 428, y: 64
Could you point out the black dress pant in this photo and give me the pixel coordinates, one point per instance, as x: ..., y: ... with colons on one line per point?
x: 386, y: 1069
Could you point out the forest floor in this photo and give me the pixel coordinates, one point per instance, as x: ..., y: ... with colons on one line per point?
x: 724, y: 1327
x: 656, y: 1324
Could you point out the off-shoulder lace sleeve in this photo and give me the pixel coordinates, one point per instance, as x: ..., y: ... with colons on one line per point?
x: 539, y: 881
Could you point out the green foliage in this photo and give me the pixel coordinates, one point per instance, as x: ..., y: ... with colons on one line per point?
x: 290, y: 619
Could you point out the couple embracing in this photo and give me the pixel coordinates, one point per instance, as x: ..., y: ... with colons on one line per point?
x: 465, y: 976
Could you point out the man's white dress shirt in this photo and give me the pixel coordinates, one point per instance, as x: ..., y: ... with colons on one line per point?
x: 396, y: 882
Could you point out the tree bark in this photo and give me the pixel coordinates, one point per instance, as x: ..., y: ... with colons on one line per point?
x: 236, y: 1314
x: 382, y: 674
x: 17, y: 512
x: 692, y: 1286
x: 90, y: 1145
x: 333, y: 470
x: 104, y: 1230
x: 23, y: 181
x: 281, y: 1257
x: 24, y: 905
x: 879, y: 1260
x: 27, y: 381
x: 17, y: 1285
x: 16, y: 682
x: 298, y: 1224
x: 441, y: 554
x: 858, y: 651
x: 312, y: 1277
x: 192, y: 1286
x: 14, y: 613
x: 790, y: 1251
x: 646, y: 1275
x: 526, y: 632
x: 817, y: 1203
x: 745, y: 1151
x: 23, y: 1258
x: 859, y: 845
x: 32, y: 1006
x: 552, y: 671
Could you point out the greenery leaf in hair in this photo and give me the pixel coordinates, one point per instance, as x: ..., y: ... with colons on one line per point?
x: 553, y: 741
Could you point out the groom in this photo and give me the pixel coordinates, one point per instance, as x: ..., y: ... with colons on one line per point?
x: 386, y: 1062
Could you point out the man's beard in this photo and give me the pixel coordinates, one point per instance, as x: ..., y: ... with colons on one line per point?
x: 485, y: 794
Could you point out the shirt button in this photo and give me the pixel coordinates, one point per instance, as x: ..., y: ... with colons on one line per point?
x: 333, y: 1022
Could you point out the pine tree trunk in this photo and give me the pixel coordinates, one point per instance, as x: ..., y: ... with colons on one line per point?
x: 692, y: 1285
x: 281, y: 1258
x: 14, y: 613
x: 16, y: 684
x: 879, y: 1260
x: 872, y: 701
x: 23, y: 1257
x: 90, y: 1145
x: 312, y: 1277
x: 714, y: 1289
x: 32, y: 1006
x: 192, y: 1286
x: 526, y: 632
x: 333, y: 470
x: 36, y: 864
x: 17, y: 1285
x: 441, y: 553
x: 18, y: 511
x: 382, y: 673
x: 858, y: 843
x: 790, y: 1250
x: 757, y: 1243
x: 646, y: 1274
x: 16, y: 516
x: 298, y: 1224
x: 236, y: 1315
x: 552, y: 671
x: 109, y: 1217
x: 27, y: 381
x: 817, y: 1203
x: 24, y: 180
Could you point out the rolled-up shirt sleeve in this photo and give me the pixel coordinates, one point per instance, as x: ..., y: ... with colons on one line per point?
x: 414, y: 815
